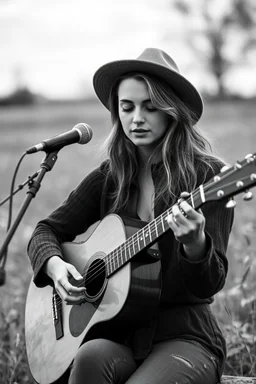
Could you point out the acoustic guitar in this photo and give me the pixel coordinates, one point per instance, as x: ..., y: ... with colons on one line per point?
x: 122, y: 275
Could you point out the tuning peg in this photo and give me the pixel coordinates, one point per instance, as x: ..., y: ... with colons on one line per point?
x: 224, y: 168
x: 247, y: 196
x: 249, y: 158
x: 231, y: 203
x: 237, y: 165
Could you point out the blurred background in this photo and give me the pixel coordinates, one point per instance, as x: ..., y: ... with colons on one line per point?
x: 49, y: 53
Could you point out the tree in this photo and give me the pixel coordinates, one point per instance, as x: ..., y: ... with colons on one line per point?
x: 218, y: 27
x: 21, y: 96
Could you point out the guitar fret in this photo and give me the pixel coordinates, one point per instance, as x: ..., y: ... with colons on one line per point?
x: 113, y: 261
x: 137, y: 240
x: 125, y: 254
x: 162, y: 221
x: 143, y: 236
x: 192, y: 200
x: 201, y: 189
x: 150, y: 234
x: 147, y: 237
x: 141, y: 241
x: 129, y: 249
x: 151, y: 231
x: 108, y: 265
x: 116, y: 260
x: 156, y: 229
x: 121, y: 258
x: 133, y: 246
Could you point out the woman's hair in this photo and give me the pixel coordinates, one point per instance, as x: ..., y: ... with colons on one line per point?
x: 184, y: 151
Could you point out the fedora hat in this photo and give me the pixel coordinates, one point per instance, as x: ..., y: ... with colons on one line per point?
x: 152, y: 61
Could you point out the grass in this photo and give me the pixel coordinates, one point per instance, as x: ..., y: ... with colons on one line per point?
x: 230, y: 127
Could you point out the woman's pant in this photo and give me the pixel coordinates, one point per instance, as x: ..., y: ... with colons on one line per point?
x: 102, y: 361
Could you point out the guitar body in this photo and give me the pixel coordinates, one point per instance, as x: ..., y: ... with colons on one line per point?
x: 128, y: 296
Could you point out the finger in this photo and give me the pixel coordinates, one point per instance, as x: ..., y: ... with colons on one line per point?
x: 72, y: 289
x: 178, y: 215
x: 69, y: 299
x: 186, y: 210
x: 72, y: 300
x: 184, y: 195
x: 75, y: 287
x: 172, y: 219
x: 74, y: 272
x: 189, y: 212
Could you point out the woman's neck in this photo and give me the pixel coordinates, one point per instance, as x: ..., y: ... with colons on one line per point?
x: 144, y: 157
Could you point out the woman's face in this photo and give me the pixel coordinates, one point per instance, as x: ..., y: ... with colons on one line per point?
x: 142, y: 123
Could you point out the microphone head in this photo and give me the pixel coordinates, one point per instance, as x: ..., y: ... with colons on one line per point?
x: 84, y: 131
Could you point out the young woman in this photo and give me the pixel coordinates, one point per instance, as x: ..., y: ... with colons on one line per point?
x: 156, y: 157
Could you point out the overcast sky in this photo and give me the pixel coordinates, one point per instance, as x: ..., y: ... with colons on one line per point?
x: 55, y: 46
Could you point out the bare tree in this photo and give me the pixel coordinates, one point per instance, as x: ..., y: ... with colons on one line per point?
x: 218, y: 31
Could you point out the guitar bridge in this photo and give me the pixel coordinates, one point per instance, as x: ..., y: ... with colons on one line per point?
x: 57, y: 315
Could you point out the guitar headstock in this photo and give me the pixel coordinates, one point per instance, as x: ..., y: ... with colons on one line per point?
x: 233, y: 180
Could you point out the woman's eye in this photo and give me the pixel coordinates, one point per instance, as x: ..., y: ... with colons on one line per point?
x: 151, y: 108
x: 126, y: 109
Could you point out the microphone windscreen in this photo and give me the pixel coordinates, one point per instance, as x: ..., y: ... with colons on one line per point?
x: 85, y: 132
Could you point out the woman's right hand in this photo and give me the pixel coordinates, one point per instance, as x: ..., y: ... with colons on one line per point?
x: 60, y: 272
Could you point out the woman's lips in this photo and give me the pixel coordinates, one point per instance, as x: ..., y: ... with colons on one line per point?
x: 140, y: 131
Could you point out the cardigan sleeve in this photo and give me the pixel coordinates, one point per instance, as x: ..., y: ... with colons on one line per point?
x: 206, y: 277
x: 80, y: 210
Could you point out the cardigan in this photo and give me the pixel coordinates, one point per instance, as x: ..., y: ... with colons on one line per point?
x: 188, y: 287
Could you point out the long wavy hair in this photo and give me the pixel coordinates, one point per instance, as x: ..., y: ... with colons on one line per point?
x: 183, y: 149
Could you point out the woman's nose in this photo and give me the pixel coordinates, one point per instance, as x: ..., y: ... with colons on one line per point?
x: 138, y: 117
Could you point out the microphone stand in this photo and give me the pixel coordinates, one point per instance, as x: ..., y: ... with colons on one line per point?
x: 34, y: 186
x: 21, y: 186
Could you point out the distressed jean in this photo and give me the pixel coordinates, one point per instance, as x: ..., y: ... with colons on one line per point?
x: 102, y: 361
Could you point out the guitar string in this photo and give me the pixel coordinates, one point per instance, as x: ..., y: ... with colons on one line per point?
x: 196, y: 192
x: 135, y: 237
x: 115, y: 253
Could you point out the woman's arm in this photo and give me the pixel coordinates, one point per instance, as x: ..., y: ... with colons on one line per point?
x: 73, y: 217
x: 206, y: 276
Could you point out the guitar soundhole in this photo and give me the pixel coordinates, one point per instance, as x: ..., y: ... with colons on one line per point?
x: 95, y: 280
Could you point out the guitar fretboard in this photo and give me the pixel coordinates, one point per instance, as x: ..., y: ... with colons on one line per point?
x: 146, y: 236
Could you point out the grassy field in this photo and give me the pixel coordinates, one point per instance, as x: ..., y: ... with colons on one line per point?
x: 230, y: 127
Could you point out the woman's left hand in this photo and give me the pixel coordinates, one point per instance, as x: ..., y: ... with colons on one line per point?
x: 188, y: 225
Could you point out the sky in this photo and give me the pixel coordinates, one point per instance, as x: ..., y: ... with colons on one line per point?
x: 54, y: 47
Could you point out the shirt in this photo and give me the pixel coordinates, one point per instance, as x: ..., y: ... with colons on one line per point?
x: 188, y: 286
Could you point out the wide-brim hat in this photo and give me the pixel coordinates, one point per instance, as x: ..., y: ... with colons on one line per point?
x: 154, y: 62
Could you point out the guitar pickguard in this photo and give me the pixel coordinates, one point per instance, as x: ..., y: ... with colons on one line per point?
x: 79, y: 317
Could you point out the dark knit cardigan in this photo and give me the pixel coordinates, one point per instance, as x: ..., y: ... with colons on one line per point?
x: 188, y: 286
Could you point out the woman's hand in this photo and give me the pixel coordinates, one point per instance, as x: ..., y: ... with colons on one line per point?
x: 60, y: 272
x: 188, y: 228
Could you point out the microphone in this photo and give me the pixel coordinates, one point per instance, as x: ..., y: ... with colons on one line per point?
x: 81, y: 133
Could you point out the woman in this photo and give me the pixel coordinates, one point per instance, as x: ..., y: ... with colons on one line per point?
x: 156, y: 154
